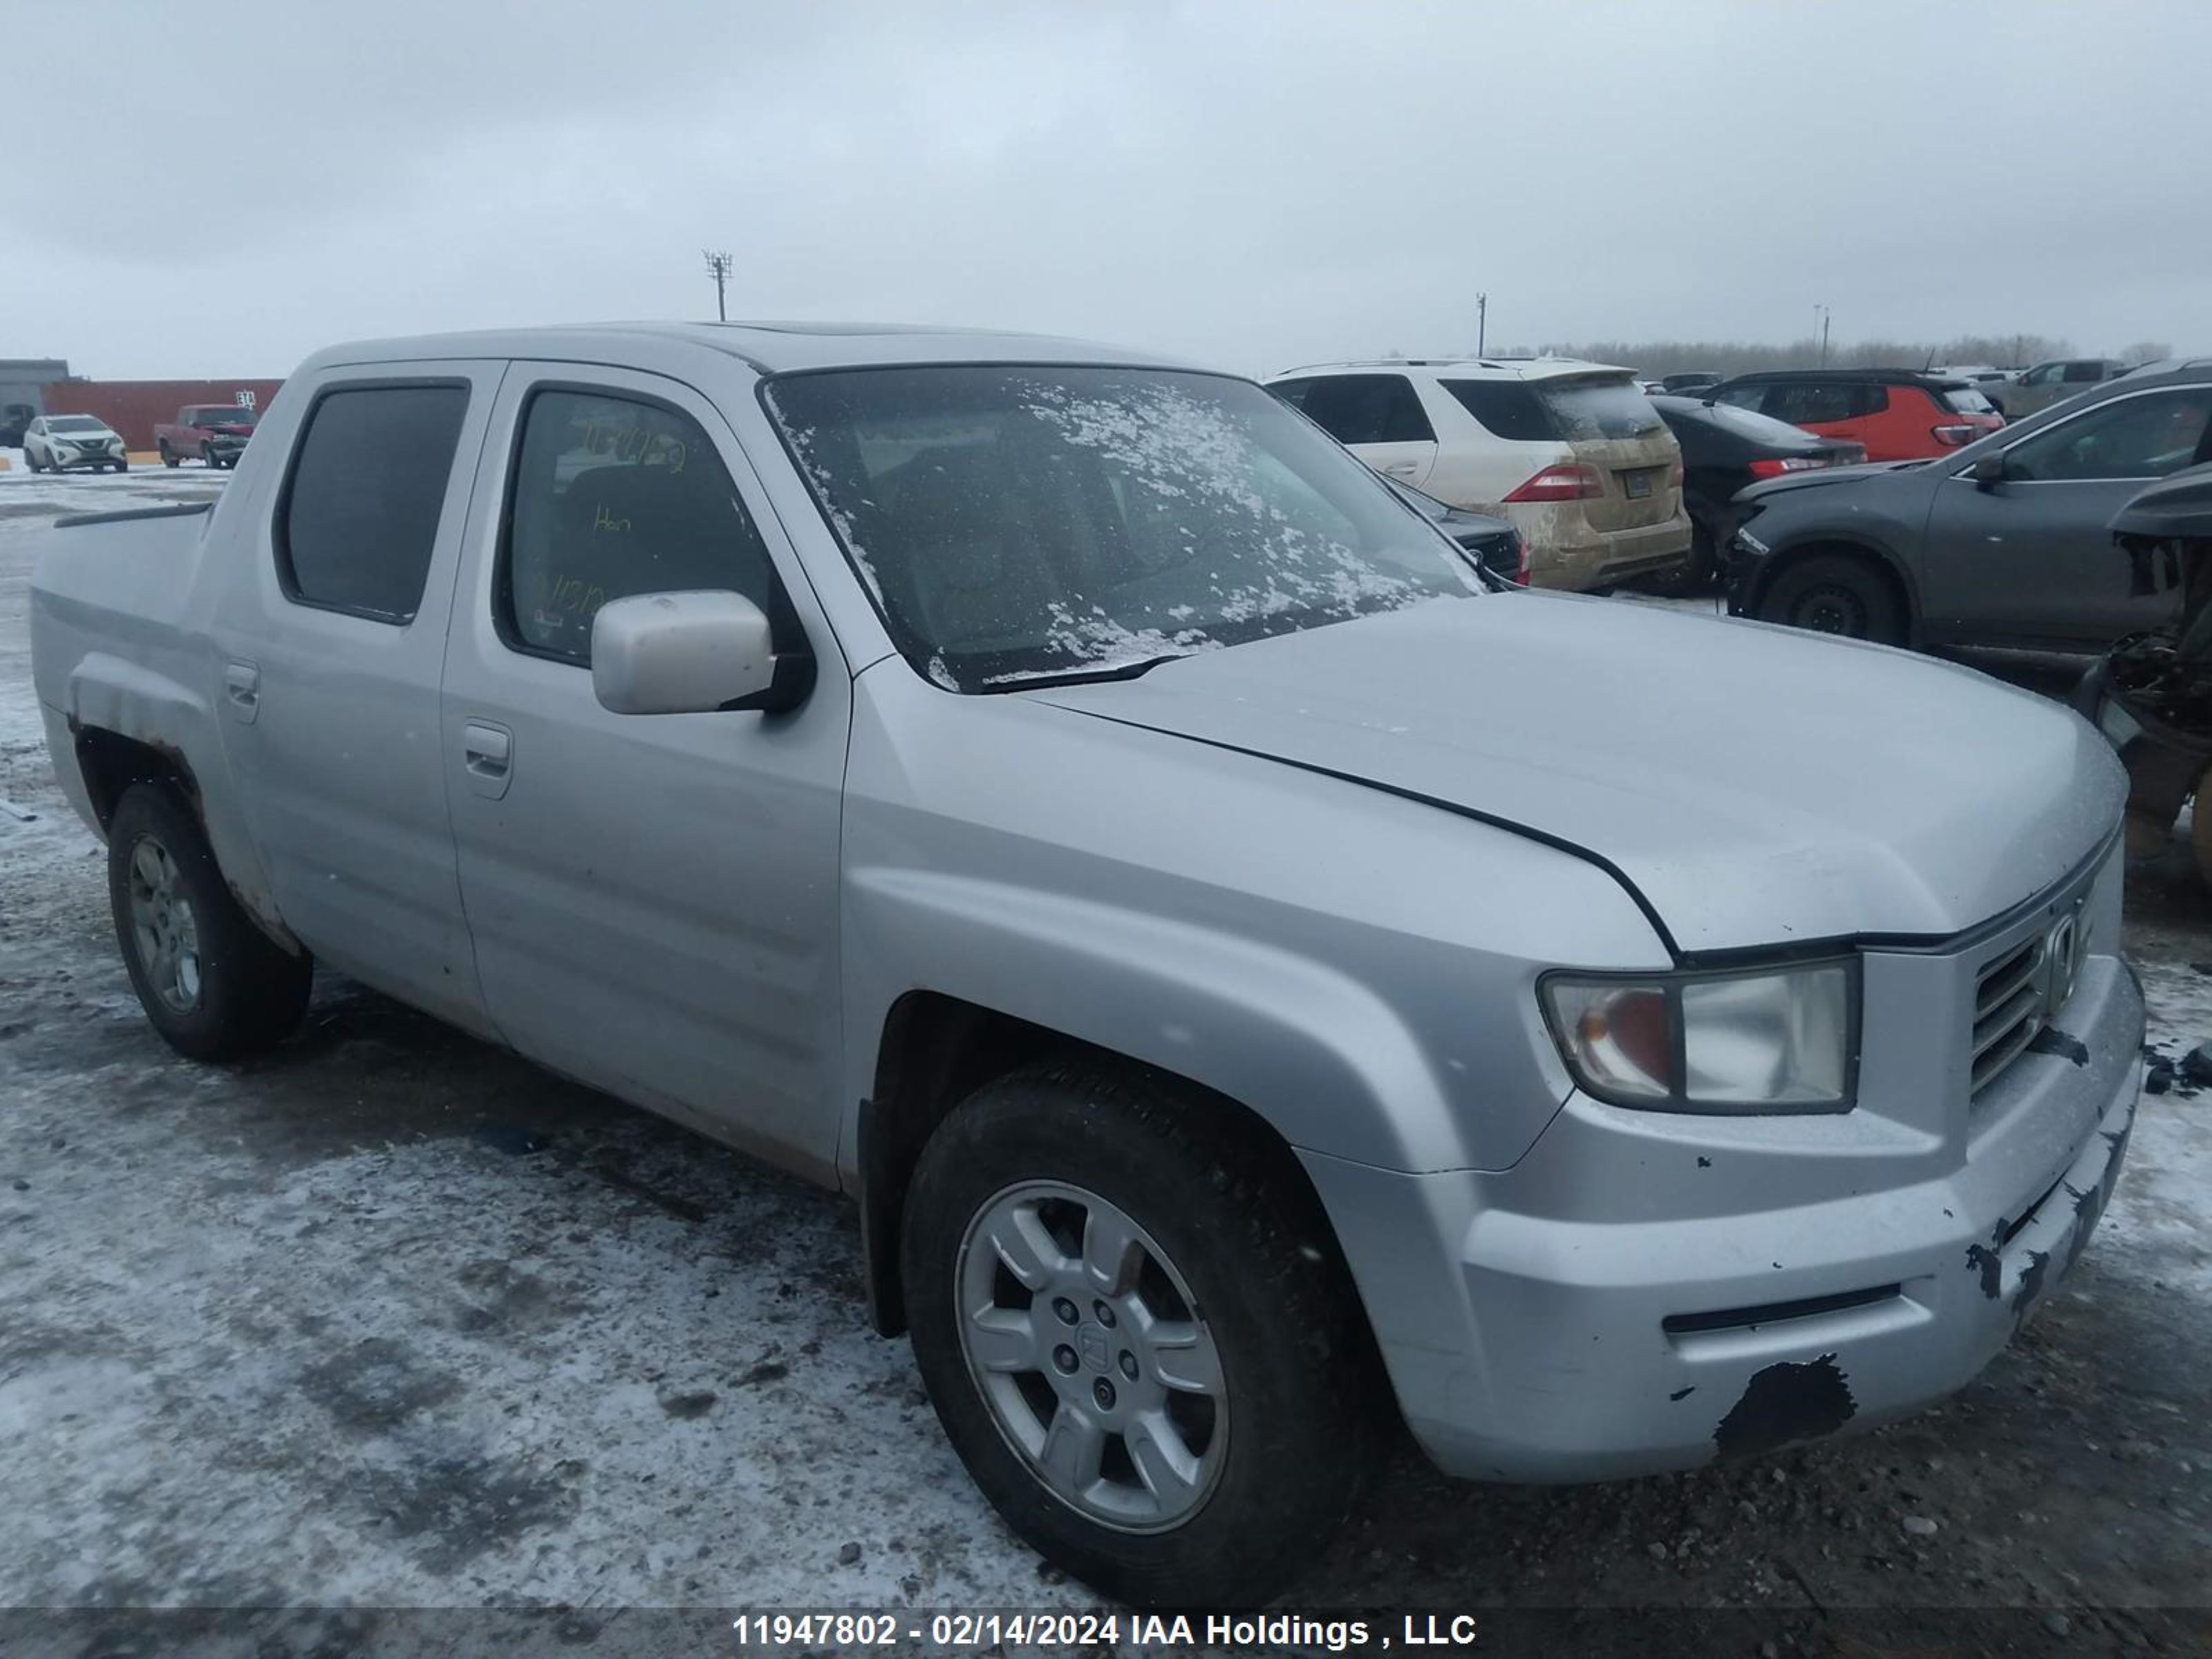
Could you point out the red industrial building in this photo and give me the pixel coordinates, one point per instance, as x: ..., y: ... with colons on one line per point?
x: 134, y: 407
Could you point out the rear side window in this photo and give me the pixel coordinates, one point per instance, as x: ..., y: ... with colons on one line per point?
x: 1591, y: 411
x: 2085, y: 371
x: 613, y: 496
x: 1506, y: 409
x: 1366, y: 409
x: 359, y: 514
x: 1802, y: 402
x: 1752, y: 396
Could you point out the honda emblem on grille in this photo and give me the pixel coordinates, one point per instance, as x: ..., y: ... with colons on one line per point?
x: 2063, y: 947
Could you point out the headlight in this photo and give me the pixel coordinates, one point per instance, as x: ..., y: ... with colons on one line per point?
x: 1749, y: 1041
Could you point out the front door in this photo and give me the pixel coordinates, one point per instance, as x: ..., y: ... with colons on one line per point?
x: 652, y: 899
x: 2031, y: 559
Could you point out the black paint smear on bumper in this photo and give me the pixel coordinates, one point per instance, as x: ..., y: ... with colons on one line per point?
x: 1787, y: 1402
x: 2031, y: 1282
x: 2052, y: 1040
x: 1986, y: 1262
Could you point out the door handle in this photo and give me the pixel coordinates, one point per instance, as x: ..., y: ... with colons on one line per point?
x: 241, y: 690
x: 1402, y: 469
x: 487, y: 756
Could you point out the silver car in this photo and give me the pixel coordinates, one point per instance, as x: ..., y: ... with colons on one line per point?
x: 1258, y: 977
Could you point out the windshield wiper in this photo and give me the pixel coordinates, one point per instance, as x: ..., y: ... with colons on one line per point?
x: 1021, y: 680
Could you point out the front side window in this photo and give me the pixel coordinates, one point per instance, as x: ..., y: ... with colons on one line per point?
x: 1368, y: 408
x: 1020, y: 523
x: 359, y: 515
x: 2140, y: 437
x: 613, y: 496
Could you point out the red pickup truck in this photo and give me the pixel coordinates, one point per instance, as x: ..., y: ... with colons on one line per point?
x: 216, y: 433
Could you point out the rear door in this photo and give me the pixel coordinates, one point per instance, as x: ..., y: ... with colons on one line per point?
x: 1851, y: 410
x: 654, y: 898
x: 1378, y: 417
x: 2031, y: 560
x: 332, y: 635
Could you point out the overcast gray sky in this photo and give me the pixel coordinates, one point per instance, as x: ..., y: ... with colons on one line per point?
x: 219, y: 190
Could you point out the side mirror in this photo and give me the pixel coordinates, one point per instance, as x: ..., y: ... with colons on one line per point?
x: 1987, y: 471
x: 692, y: 654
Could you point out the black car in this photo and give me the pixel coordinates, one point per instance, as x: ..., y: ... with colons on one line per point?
x: 1725, y: 449
x: 1493, y: 541
x: 1689, y: 385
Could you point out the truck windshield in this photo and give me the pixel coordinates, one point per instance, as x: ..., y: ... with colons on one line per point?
x: 222, y: 415
x: 1022, y: 523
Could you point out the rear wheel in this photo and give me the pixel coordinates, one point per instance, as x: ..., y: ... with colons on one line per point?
x: 1837, y: 593
x: 1138, y: 1334
x: 213, y: 984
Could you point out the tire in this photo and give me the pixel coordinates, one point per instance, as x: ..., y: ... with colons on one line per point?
x: 207, y: 457
x: 32, y: 462
x: 213, y: 984
x: 1229, y: 1249
x: 1836, y: 593
x: 122, y: 466
x: 168, y: 456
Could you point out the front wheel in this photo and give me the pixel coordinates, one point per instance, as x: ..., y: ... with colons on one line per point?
x: 1834, y: 593
x: 213, y: 984
x: 169, y: 457
x: 207, y: 457
x: 1138, y: 1334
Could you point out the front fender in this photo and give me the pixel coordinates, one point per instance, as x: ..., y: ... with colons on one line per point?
x: 1323, y: 1059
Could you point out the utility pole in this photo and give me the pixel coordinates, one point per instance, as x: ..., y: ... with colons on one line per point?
x: 717, y: 266
x: 1821, y: 312
x: 1481, y: 324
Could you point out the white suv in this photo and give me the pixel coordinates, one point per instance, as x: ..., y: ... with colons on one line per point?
x: 1572, y: 452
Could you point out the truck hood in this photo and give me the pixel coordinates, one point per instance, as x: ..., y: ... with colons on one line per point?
x: 1753, y: 785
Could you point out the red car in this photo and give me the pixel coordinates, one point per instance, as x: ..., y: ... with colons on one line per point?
x: 1893, y: 414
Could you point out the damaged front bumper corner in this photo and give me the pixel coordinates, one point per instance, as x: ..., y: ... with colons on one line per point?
x: 1616, y: 1338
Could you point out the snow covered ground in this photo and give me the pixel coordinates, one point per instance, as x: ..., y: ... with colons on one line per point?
x: 391, y: 1318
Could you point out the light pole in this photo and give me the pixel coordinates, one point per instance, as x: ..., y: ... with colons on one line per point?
x: 717, y: 266
x: 1481, y: 324
x: 1820, y: 316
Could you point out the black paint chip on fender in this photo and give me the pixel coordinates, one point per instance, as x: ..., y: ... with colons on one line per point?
x: 1785, y: 1403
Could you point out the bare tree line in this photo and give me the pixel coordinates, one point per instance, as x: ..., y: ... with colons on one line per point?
x: 1741, y: 356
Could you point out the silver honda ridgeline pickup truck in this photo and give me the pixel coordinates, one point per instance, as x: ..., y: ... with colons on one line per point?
x: 1261, y: 976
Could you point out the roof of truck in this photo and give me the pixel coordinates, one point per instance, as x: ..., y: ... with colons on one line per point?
x: 771, y: 348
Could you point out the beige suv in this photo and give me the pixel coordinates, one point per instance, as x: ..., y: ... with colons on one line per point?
x: 1572, y: 451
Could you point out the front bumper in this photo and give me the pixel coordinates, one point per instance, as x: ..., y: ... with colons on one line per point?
x: 1579, y: 1317
x: 96, y: 458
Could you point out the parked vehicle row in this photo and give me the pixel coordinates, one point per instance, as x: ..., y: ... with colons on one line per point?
x: 2002, y: 543
x: 63, y: 443
x: 1255, y: 973
x: 1573, y: 453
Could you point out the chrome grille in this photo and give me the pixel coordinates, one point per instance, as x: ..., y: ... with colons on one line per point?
x: 2008, y: 1001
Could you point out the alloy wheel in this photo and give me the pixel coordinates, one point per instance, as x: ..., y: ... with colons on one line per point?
x: 1091, y: 1355
x: 163, y: 927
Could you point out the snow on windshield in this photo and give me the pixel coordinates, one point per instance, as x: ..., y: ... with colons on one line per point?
x: 1016, y: 524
